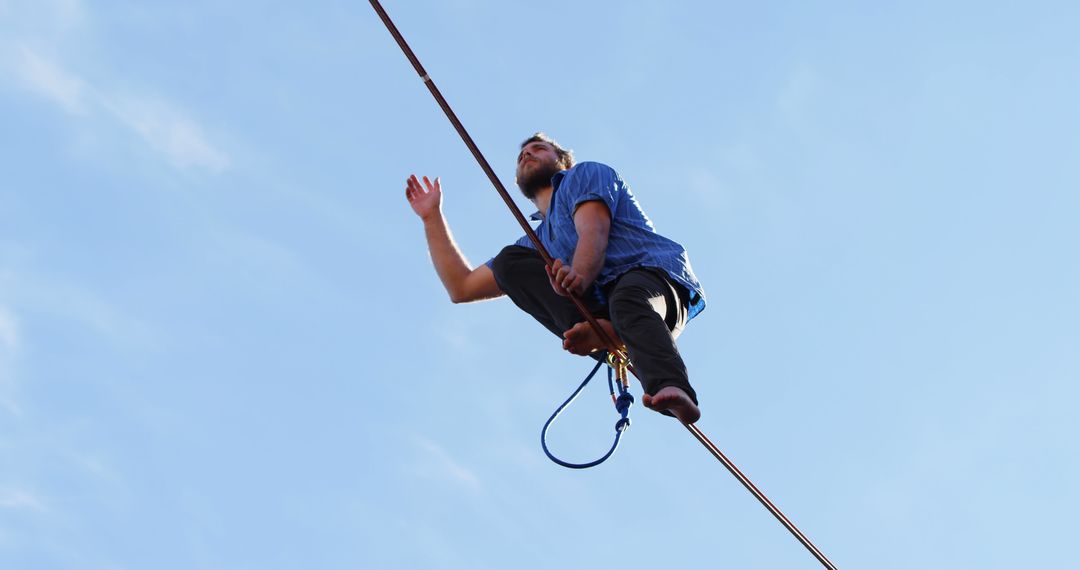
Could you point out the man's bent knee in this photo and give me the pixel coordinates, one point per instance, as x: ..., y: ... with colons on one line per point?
x: 514, y: 264
x: 509, y: 258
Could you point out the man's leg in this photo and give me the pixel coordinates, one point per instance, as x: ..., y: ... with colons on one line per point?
x: 649, y: 311
x: 520, y: 273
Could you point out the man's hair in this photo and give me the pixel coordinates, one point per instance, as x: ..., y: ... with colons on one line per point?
x: 565, y: 156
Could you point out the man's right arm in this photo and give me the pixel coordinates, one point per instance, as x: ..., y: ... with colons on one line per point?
x: 463, y: 283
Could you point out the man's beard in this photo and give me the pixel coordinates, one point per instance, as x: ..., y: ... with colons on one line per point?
x: 537, y: 178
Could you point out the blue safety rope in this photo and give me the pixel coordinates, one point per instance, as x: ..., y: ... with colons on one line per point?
x: 622, y: 405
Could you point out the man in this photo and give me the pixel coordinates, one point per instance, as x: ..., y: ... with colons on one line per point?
x: 637, y: 283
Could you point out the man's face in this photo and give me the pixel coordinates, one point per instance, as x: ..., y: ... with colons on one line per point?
x: 536, y: 164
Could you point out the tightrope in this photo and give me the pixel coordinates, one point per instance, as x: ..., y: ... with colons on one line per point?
x: 608, y: 341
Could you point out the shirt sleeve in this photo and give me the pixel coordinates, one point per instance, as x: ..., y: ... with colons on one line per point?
x: 594, y: 181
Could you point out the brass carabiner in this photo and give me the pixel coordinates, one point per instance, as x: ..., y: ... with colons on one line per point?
x: 619, y: 363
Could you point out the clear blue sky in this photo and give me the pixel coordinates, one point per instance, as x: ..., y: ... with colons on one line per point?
x: 222, y: 344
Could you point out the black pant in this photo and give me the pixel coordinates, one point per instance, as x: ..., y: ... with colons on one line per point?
x: 646, y: 308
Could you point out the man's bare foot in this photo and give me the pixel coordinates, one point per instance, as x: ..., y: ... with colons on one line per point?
x: 582, y: 339
x: 674, y: 400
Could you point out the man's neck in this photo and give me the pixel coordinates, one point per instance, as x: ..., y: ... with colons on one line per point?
x: 543, y: 200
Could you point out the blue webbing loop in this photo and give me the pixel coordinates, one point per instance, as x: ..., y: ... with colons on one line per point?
x: 622, y: 405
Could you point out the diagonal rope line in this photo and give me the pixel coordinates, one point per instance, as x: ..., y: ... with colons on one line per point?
x: 719, y: 455
x: 612, y: 346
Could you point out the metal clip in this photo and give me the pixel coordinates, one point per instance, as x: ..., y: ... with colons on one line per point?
x: 619, y: 363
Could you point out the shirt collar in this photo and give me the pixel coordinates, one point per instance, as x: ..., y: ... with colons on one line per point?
x: 556, y: 180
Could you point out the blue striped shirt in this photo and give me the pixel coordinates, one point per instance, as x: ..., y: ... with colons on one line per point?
x: 632, y: 241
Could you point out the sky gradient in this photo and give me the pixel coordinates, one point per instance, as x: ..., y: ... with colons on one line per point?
x: 222, y: 343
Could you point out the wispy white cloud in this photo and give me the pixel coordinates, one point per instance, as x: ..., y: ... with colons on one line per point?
x: 95, y: 467
x: 9, y: 345
x: 168, y: 131
x: 31, y: 57
x: 45, y: 78
x: 94, y: 311
x: 54, y: 295
x: 441, y: 464
x: 9, y: 331
x: 21, y: 499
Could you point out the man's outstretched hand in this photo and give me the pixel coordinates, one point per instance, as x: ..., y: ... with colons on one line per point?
x: 425, y: 200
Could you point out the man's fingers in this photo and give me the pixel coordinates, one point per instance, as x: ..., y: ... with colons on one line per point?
x: 414, y: 185
x: 565, y: 276
x: 557, y: 287
x: 557, y: 273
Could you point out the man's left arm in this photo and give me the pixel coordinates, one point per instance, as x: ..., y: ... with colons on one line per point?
x: 592, y: 220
